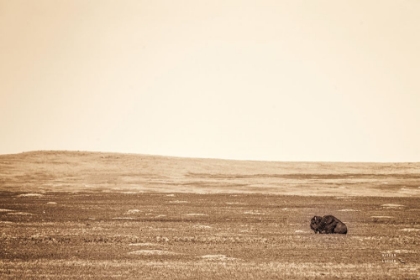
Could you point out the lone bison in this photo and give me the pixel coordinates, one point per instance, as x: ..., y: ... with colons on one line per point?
x: 328, y: 224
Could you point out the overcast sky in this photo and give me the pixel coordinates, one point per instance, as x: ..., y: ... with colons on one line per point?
x: 261, y: 80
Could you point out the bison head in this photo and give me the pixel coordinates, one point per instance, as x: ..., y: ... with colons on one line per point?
x: 315, y: 222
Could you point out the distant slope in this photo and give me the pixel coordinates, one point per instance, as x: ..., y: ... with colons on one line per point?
x: 62, y: 171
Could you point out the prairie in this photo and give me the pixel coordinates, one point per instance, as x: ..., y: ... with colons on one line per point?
x: 100, y: 215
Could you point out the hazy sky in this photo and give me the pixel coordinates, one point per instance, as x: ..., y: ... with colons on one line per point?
x: 265, y: 80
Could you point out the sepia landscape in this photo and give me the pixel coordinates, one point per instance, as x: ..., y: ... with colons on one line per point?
x: 67, y: 215
x: 209, y: 139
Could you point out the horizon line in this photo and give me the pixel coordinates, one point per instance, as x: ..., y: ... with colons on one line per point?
x: 202, y: 158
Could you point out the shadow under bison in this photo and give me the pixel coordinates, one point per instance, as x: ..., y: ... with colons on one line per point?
x: 328, y: 224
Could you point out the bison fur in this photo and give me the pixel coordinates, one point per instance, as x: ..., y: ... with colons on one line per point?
x: 328, y: 224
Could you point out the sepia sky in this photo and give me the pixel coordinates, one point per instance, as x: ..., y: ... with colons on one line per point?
x: 260, y: 80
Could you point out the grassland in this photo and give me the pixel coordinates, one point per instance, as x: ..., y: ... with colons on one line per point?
x: 93, y: 215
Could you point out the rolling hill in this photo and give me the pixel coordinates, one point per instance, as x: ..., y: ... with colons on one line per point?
x: 67, y: 171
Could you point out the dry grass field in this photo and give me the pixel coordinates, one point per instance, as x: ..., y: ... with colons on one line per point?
x: 95, y: 215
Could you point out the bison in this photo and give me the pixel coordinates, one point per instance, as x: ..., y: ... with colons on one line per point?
x: 328, y: 224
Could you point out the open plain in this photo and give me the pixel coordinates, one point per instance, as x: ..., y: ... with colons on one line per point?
x: 96, y: 215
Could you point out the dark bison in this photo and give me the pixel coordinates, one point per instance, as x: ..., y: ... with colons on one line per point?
x: 328, y: 224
